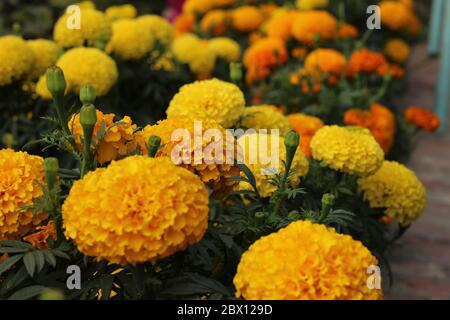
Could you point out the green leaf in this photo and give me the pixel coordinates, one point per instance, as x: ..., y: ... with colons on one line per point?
x: 14, y: 280
x: 15, y: 244
x: 61, y: 254
x: 27, y: 293
x: 39, y: 258
x: 49, y: 257
x: 5, y: 265
x: 106, y: 284
x: 12, y: 250
x: 30, y: 263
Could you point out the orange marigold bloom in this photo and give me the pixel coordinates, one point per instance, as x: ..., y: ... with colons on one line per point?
x: 310, y: 24
x: 414, y: 25
x: 263, y: 56
x: 39, y: 239
x: 299, y: 52
x: 215, y: 22
x: 280, y: 25
x: 365, y: 60
x: 348, y: 31
x: 247, y: 18
x: 306, y: 126
x: 422, y: 118
x: 394, y: 70
x: 328, y: 61
x: 379, y: 120
x: 394, y: 15
x: 184, y: 23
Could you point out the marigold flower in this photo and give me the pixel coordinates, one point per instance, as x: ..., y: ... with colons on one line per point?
x: 39, y: 239
x: 184, y: 23
x: 20, y: 185
x: 379, y: 120
x: 209, y: 99
x: 85, y: 5
x: 256, y: 150
x: 138, y: 209
x: 224, y: 48
x: 306, y: 126
x: 161, y: 29
x: 352, y: 150
x: 16, y: 59
x: 45, y: 55
x: 394, y: 70
x: 311, y: 4
x: 94, y: 25
x: 414, y: 25
x: 328, y: 61
x: 118, y: 139
x: 263, y: 56
x: 280, y: 24
x: 397, y: 189
x: 422, y: 118
x: 397, y: 50
x: 247, y: 18
x: 215, y: 22
x: 213, y: 170
x: 347, y: 31
x: 283, y: 266
x: 394, y: 14
x: 366, y: 61
x: 125, y: 11
x: 130, y: 39
x: 265, y: 117
x: 310, y: 24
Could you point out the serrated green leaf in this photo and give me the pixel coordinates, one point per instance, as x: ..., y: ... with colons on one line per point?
x: 27, y: 293
x: 49, y: 257
x: 5, y: 265
x: 30, y: 263
x: 39, y: 259
x: 12, y: 250
x: 15, y: 244
x: 60, y: 254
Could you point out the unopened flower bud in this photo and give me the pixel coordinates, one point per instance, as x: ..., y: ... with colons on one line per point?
x: 153, y: 145
x: 328, y: 200
x: 88, y: 116
x: 51, y: 167
x: 292, y: 140
x: 235, y: 72
x: 56, y: 83
x: 87, y: 94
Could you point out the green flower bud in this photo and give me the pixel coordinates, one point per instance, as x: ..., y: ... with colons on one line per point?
x: 87, y: 94
x: 236, y: 72
x: 51, y: 167
x: 153, y: 145
x: 8, y: 140
x: 88, y: 116
x: 292, y: 140
x: 56, y: 83
x: 328, y: 200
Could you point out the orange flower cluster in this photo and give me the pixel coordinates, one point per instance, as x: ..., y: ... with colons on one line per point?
x: 422, y: 118
x: 39, y: 239
x: 280, y: 25
x: 262, y: 57
x: 328, y: 61
x: 215, y: 22
x: 184, y: 23
x: 368, y: 61
x: 314, y: 23
x: 306, y: 126
x: 379, y: 120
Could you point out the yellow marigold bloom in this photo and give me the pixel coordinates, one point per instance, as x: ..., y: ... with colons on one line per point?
x: 20, y: 182
x: 352, y: 150
x: 213, y: 173
x: 161, y: 29
x: 16, y: 59
x: 94, y: 25
x: 256, y: 150
x: 45, y: 55
x: 283, y: 266
x: 118, y: 140
x: 265, y: 117
x: 85, y: 5
x: 397, y: 189
x: 328, y: 61
x: 125, y: 11
x: 310, y: 24
x: 225, y: 48
x: 394, y: 15
x: 397, y: 50
x: 209, y: 99
x: 130, y: 40
x: 215, y: 22
x: 138, y: 209
x: 247, y: 18
x: 311, y: 4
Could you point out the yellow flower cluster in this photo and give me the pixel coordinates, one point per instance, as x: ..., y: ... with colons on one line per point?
x: 118, y: 139
x: 160, y: 28
x: 265, y: 117
x: 209, y: 99
x: 125, y: 11
x: 138, y: 209
x: 311, y: 4
x: 20, y: 179
x: 45, y: 55
x: 397, y: 50
x: 224, y: 48
x: 16, y: 59
x: 94, y: 25
x: 397, y: 189
x: 305, y: 261
x: 213, y: 170
x: 83, y: 66
x: 256, y: 150
x: 352, y: 150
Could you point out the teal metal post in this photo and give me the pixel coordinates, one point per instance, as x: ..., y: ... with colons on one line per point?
x: 443, y: 85
x: 435, y: 32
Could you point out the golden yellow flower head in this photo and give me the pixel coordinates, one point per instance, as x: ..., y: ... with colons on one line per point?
x: 125, y: 11
x: 247, y: 18
x: 16, y: 59
x: 352, y: 150
x: 85, y: 5
x: 20, y: 182
x: 212, y: 173
x: 161, y: 29
x: 224, y: 48
x: 305, y: 261
x: 94, y: 25
x: 397, y: 189
x: 202, y: 6
x: 265, y: 117
x: 311, y: 4
x: 209, y: 99
x: 83, y: 66
x: 45, y: 55
x: 117, y: 141
x: 397, y: 50
x: 309, y: 24
x: 138, y: 209
x: 257, y: 154
x: 130, y: 40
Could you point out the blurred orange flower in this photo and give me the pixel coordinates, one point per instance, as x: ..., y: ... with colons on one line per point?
x: 422, y: 118
x: 306, y: 126
x: 366, y: 61
x: 310, y: 24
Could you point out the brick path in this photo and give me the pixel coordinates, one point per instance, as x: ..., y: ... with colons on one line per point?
x: 421, y: 259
